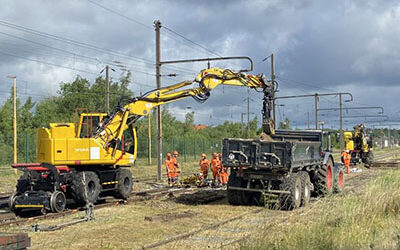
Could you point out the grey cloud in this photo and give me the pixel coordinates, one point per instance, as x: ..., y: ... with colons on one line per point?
x: 324, y: 45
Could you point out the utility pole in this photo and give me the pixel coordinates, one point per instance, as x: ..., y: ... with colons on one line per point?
x: 248, y: 114
x: 273, y: 81
x: 242, y: 114
x: 157, y: 25
x: 341, y: 121
x: 308, y: 120
x: 316, y: 109
x: 15, y: 158
x: 149, y: 136
x: 107, y: 90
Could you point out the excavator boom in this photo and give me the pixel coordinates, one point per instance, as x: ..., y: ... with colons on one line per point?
x: 199, y: 89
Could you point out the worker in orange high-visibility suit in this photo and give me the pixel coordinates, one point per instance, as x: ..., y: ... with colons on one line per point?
x: 170, y: 166
x: 346, y: 157
x: 223, y: 172
x: 204, y: 165
x: 215, y: 166
x: 176, y: 166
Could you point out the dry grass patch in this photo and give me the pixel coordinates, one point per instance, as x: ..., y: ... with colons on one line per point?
x: 368, y: 219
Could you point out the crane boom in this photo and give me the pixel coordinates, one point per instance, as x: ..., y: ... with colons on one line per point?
x: 199, y: 89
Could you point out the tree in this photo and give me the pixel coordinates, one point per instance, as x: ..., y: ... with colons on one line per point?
x: 285, y: 124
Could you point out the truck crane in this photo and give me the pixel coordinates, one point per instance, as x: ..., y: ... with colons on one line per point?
x: 90, y: 158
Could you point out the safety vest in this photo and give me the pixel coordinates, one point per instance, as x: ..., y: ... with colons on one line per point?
x: 204, y: 165
x: 215, y: 164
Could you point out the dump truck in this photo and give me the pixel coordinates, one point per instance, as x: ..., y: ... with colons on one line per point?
x: 359, y: 144
x: 91, y: 158
x: 285, y: 171
x: 282, y: 168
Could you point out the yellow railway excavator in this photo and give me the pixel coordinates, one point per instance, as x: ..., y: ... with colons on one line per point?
x: 91, y: 158
x: 359, y: 144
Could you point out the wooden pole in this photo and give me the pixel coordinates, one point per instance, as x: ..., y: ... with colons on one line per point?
x: 149, y: 136
x: 157, y: 25
x: 15, y: 156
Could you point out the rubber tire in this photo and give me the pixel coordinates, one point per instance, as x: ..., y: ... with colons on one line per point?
x: 58, y: 202
x: 238, y: 197
x: 22, y: 183
x: 368, y: 159
x: 124, y: 184
x: 323, y: 179
x: 234, y: 196
x: 80, y: 186
x: 339, y: 181
x: 292, y: 183
x: 305, y: 188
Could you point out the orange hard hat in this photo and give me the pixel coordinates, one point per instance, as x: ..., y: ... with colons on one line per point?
x: 203, y: 155
x: 175, y: 152
x: 168, y: 154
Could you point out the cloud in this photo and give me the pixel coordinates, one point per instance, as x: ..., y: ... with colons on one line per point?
x: 320, y: 46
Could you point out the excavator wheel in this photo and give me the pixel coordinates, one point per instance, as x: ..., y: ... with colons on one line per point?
x: 124, y: 184
x: 85, y: 187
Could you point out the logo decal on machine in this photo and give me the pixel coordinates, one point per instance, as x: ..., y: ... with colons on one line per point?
x: 94, y: 153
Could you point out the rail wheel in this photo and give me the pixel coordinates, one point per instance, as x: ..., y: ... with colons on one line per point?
x: 292, y: 200
x: 86, y: 187
x: 57, y: 202
x: 11, y: 201
x: 124, y: 184
x: 305, y: 187
x: 339, y: 181
x: 323, y: 179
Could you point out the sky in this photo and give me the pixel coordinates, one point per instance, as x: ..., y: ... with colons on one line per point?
x: 319, y: 47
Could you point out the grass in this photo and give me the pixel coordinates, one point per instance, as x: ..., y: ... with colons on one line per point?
x: 367, y: 219
x: 124, y: 227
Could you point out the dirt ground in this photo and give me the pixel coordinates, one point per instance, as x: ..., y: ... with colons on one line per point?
x: 125, y: 226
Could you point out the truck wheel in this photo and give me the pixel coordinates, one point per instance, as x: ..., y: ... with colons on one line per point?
x: 292, y: 184
x: 57, y: 202
x: 306, y: 188
x: 86, y: 187
x: 324, y: 179
x: 124, y: 184
x: 234, y: 196
x: 339, y: 181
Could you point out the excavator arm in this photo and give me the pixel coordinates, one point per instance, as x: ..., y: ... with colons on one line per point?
x: 199, y: 89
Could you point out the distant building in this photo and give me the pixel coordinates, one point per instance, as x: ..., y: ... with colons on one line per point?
x: 200, y: 127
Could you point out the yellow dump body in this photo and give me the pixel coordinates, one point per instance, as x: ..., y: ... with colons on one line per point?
x: 58, y: 145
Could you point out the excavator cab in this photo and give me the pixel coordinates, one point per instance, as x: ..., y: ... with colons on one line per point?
x: 88, y: 123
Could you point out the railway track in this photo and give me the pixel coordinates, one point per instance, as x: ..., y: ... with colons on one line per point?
x: 10, y: 219
x: 7, y: 219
